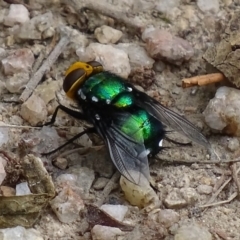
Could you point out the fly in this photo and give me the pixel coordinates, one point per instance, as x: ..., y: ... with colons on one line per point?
x: 131, y: 123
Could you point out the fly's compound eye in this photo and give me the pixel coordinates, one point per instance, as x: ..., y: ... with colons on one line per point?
x: 96, y: 66
x: 80, y: 65
x: 73, y: 82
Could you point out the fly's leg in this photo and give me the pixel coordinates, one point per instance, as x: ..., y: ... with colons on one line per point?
x: 88, y: 130
x: 71, y: 112
x: 176, y: 142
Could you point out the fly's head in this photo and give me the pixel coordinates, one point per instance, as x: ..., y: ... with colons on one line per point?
x: 77, y: 74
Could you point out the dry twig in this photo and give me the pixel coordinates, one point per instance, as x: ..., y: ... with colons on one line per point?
x: 202, y: 80
x: 234, y: 175
x: 108, y: 188
x: 233, y: 196
x: 36, y: 78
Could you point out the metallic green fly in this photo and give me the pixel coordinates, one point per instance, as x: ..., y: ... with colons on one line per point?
x: 131, y: 123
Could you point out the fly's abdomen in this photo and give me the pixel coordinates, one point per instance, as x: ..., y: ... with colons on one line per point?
x: 142, y: 127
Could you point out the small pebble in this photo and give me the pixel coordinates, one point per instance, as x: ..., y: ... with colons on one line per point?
x: 100, y: 183
x: 48, y: 33
x: 105, y: 233
x: 162, y: 45
x: 174, y: 200
x: 17, y: 82
x: 67, y: 205
x: 20, y: 233
x: 208, y: 5
x: 223, y: 113
x: 190, y: 195
x: 80, y: 179
x: 106, y: 34
x: 47, y: 90
x: 34, y: 28
x: 22, y: 189
x: 191, y: 232
x: 168, y: 217
x: 166, y: 6
x: 85, y: 177
x: 233, y: 144
x: 116, y: 211
x: 138, y: 56
x: 34, y: 110
x: 7, y: 191
x: 17, y: 14
x: 4, y: 136
x: 112, y: 59
x: 20, y: 61
x: 205, y: 189
x: 61, y: 163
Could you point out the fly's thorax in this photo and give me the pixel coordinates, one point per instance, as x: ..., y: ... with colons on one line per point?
x: 105, y: 88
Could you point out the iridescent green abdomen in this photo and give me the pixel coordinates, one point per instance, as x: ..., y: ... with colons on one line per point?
x: 142, y: 127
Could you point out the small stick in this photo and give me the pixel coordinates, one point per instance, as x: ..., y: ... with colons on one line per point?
x: 235, y: 171
x: 202, y: 80
x: 43, y: 54
x: 108, y: 188
x: 36, y: 78
x: 197, y: 161
x: 234, y: 195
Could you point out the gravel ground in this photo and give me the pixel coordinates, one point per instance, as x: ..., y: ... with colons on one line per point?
x: 181, y: 187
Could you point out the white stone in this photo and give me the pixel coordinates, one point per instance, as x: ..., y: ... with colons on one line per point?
x: 22, y: 189
x: 85, y: 177
x: 67, y: 205
x: 193, y: 231
x: 116, y: 211
x: 34, y: 110
x: 106, y: 34
x: 4, y: 137
x: 17, y: 14
x: 166, y: 6
x: 112, y: 59
x: 208, y: 5
x: 105, y: 233
x: 20, y: 61
x: 17, y: 82
x: 223, y: 113
x: 34, y: 28
x: 20, y: 233
x: 205, y: 189
x: 47, y: 90
x: 138, y: 56
x: 78, y: 41
x: 3, y: 14
x: 79, y: 179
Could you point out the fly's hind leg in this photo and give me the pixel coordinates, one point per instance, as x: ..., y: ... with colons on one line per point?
x: 88, y: 130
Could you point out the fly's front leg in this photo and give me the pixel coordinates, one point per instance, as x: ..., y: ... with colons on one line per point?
x: 75, y: 114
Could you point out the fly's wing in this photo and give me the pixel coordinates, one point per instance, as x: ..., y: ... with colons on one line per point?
x: 128, y: 155
x: 170, y: 118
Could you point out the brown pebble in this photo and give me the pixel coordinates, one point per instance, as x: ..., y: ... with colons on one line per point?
x: 7, y: 191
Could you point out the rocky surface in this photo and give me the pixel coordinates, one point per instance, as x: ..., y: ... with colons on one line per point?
x: 156, y: 45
